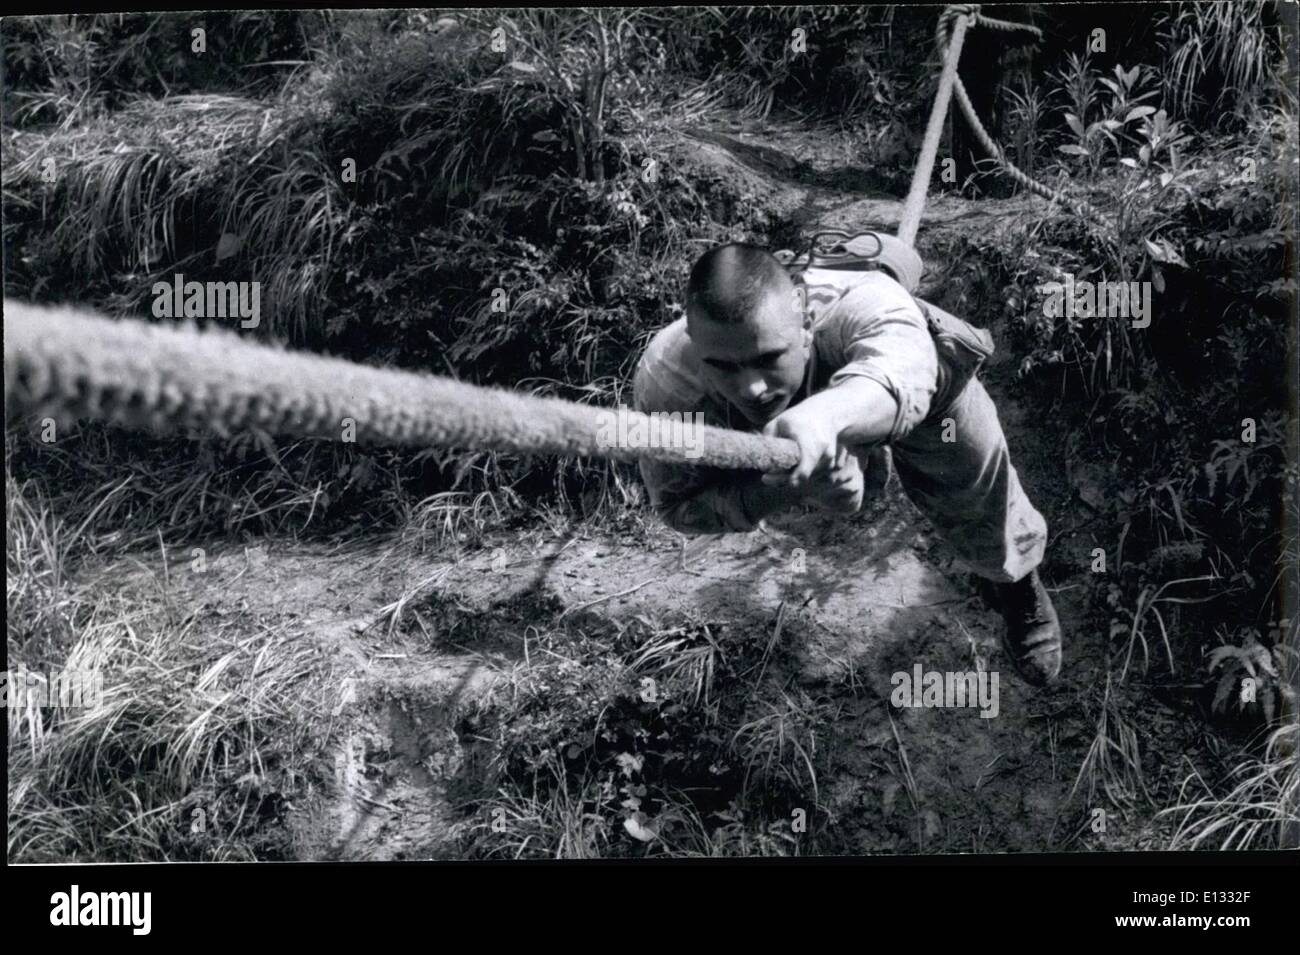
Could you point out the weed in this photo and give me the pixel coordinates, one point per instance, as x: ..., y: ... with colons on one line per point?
x: 1261, y: 810
x: 1113, y: 761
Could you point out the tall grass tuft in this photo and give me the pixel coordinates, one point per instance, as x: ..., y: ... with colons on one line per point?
x: 1260, y: 810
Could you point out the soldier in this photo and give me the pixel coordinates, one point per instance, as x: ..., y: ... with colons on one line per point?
x: 875, y: 369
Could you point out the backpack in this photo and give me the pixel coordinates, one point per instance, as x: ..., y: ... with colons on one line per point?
x: 833, y: 262
x: 829, y: 254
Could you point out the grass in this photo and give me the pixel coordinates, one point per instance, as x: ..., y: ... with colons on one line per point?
x: 680, y: 733
x: 199, y: 741
x: 631, y: 740
x: 147, y: 192
x: 584, y: 757
x: 1232, y: 43
x: 555, y: 820
x: 1147, y: 602
x: 453, y: 520
x: 1113, y: 761
x: 1259, y: 810
x: 182, y: 734
x: 781, y: 741
x: 122, y: 492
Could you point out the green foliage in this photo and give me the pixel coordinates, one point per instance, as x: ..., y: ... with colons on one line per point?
x: 1111, y: 127
x: 1260, y: 809
x: 62, y: 69
x: 579, y: 63
x: 195, y: 714
x: 199, y: 486
x: 847, y: 61
x: 1220, y: 54
x: 1197, y: 493
x: 627, y: 741
x: 1027, y: 111
x: 160, y: 188
x: 1262, y: 664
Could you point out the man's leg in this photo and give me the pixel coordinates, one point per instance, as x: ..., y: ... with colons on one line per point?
x: 968, y: 488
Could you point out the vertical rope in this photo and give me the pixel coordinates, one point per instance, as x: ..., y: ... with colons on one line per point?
x: 910, y: 223
x: 950, y: 35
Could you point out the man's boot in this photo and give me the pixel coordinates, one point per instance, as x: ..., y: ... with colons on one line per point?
x: 1033, y: 634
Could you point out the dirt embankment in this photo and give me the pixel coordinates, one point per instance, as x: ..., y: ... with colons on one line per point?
x: 855, y: 600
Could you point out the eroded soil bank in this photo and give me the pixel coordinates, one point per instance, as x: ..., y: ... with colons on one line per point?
x: 413, y: 642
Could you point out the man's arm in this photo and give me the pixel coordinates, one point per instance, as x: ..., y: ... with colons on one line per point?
x: 887, y: 377
x: 857, y: 411
x: 860, y: 410
x: 695, y: 499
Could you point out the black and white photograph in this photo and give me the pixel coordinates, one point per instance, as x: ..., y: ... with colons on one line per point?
x: 652, y: 433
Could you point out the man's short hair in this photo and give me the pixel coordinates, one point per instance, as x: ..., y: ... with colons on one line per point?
x: 729, y: 282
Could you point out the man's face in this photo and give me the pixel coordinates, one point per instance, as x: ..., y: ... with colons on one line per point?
x: 757, y: 366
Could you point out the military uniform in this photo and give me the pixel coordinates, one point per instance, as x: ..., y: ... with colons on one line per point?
x: 927, y: 360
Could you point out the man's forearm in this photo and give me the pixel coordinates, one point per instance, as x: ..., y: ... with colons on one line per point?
x: 861, y: 410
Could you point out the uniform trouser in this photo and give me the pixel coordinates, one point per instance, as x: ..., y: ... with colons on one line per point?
x: 969, y: 490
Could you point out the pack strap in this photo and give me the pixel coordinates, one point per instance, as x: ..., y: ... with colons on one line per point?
x: 856, y: 252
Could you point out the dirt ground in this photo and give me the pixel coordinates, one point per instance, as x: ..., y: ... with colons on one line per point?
x: 856, y: 600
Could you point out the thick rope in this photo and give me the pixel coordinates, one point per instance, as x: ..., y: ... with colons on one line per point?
x: 948, y: 33
x: 70, y: 363
x: 910, y: 222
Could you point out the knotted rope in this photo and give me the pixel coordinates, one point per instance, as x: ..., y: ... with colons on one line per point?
x: 949, y: 35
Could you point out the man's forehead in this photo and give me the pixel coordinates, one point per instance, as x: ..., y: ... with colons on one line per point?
x: 773, y: 327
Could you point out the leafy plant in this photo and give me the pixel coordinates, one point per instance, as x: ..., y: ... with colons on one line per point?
x: 1262, y: 666
x: 1150, y: 200
x: 1110, y: 126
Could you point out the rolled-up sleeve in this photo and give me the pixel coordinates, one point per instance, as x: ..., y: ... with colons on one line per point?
x: 881, y: 334
x: 691, y: 499
x: 696, y: 500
